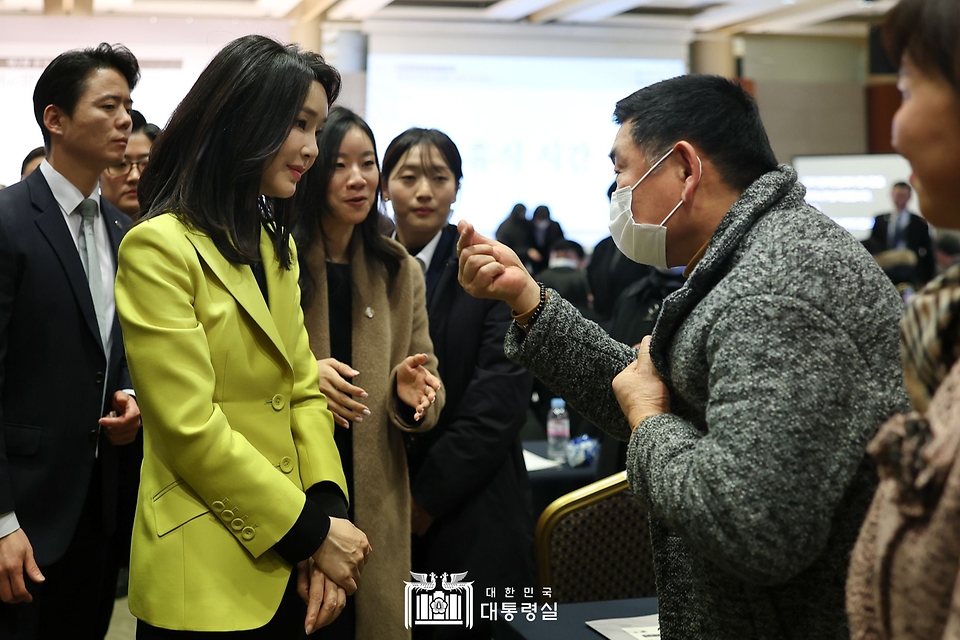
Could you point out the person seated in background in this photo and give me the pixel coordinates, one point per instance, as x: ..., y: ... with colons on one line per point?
x: 901, y: 242
x: 749, y: 410
x: 517, y: 233
x: 118, y: 184
x: 564, y: 274
x: 544, y: 232
x: 471, y: 503
x: 609, y: 272
x: 948, y: 250
x: 903, y: 578
x: 32, y: 161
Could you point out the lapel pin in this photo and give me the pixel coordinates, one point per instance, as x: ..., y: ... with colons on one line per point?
x: 368, y: 312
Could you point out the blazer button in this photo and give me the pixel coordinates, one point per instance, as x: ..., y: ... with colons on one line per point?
x: 227, y: 514
x: 248, y: 533
x: 93, y: 435
x: 99, y: 377
x: 286, y: 464
x: 237, y: 524
x: 277, y: 402
x: 217, y: 506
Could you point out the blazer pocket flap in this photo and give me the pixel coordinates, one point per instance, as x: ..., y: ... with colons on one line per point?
x: 175, y: 506
x: 21, y: 439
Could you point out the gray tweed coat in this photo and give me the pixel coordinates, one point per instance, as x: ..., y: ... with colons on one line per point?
x: 781, y: 355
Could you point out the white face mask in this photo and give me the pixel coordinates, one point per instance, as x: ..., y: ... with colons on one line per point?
x: 644, y: 243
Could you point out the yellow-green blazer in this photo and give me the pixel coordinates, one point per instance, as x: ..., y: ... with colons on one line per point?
x: 235, y: 427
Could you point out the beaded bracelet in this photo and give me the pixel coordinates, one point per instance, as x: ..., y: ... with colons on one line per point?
x: 536, y: 312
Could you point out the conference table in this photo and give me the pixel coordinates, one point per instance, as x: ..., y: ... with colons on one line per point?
x: 571, y: 620
x: 547, y: 485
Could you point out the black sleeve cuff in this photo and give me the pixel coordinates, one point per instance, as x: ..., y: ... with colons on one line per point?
x: 328, y: 496
x: 404, y: 411
x: 310, y: 530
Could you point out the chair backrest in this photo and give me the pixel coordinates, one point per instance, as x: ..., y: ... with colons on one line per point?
x: 594, y: 544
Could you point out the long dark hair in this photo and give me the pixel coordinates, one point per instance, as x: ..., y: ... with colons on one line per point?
x: 206, y: 165
x: 377, y: 251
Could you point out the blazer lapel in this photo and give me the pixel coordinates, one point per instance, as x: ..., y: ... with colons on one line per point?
x: 115, y: 226
x: 449, y: 270
x: 55, y: 230
x: 447, y: 279
x: 242, y: 285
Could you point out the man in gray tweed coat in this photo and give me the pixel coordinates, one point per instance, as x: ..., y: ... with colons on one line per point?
x: 749, y: 410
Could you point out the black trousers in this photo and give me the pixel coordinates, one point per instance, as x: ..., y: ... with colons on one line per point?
x: 286, y: 624
x: 76, y: 599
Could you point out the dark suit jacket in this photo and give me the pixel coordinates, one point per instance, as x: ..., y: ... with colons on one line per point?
x: 609, y: 273
x: 468, y: 472
x: 52, y: 371
x: 918, y: 241
x: 571, y: 284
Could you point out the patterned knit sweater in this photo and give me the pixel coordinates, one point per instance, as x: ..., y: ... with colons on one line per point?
x: 781, y: 356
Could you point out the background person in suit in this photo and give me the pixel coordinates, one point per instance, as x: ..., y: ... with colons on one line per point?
x: 32, y: 161
x: 565, y: 274
x: 897, y: 235
x: 516, y: 233
x: 62, y: 365
x: 119, y: 182
x: 241, y: 481
x: 609, y: 273
x: 544, y: 231
x: 471, y: 504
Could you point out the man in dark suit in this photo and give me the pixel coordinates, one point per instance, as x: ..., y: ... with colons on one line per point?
x: 902, y: 230
x: 70, y: 425
x: 609, y: 273
x: 471, y: 507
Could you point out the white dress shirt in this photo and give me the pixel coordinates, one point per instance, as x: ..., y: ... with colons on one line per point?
x: 69, y: 197
x: 426, y: 254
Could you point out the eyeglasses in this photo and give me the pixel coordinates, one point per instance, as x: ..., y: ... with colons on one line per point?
x: 125, y: 167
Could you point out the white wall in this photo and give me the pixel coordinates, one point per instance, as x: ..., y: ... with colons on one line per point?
x: 811, y: 93
x: 530, y: 107
x: 172, y: 53
x: 523, y: 39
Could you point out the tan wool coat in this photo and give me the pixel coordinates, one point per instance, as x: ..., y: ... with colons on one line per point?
x: 387, y: 327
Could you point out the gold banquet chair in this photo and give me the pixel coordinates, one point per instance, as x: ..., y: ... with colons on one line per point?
x: 594, y: 544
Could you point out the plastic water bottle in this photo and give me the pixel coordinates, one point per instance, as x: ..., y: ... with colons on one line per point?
x: 558, y: 430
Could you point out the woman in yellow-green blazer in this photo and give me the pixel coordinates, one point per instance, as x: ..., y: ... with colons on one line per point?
x: 241, y: 480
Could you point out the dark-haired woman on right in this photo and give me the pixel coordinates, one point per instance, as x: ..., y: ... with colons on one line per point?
x: 903, y: 581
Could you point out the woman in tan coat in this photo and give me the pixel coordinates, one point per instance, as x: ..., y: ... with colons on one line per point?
x: 365, y: 310
x: 904, y: 579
